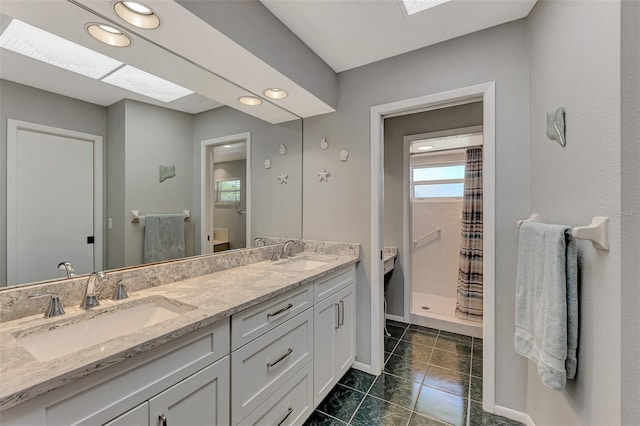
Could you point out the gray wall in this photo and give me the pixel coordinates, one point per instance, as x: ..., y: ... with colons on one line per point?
x: 395, y: 129
x: 37, y: 106
x: 116, y: 180
x: 340, y: 209
x: 276, y: 208
x: 575, y: 66
x: 250, y: 24
x: 153, y: 136
x: 226, y: 216
x: 630, y: 250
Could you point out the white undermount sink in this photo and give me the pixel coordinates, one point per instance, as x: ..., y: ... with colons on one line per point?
x: 304, y: 263
x: 68, y: 336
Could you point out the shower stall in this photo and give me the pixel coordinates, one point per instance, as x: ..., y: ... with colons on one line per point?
x: 444, y: 231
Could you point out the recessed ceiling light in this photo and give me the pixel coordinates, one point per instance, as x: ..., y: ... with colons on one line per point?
x: 425, y: 148
x: 137, y: 14
x: 108, y: 35
x: 144, y: 83
x: 38, y: 44
x: 275, y: 93
x: 415, y: 6
x: 250, y: 100
x: 226, y: 146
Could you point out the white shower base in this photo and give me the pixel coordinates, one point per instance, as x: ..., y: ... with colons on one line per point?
x: 441, y: 314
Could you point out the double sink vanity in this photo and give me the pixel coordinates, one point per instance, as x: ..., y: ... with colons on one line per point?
x: 225, y: 339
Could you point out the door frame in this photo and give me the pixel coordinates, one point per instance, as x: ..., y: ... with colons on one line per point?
x: 486, y: 93
x: 204, y: 177
x: 13, y: 126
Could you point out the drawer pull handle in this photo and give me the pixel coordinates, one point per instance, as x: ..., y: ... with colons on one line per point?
x: 286, y: 417
x: 341, y: 312
x: 279, y: 311
x: 271, y: 364
x: 163, y: 420
x: 337, y: 326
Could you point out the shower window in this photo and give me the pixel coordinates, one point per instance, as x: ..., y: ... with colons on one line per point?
x: 437, y: 181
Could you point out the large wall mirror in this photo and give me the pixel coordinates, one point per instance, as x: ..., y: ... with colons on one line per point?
x: 84, y: 156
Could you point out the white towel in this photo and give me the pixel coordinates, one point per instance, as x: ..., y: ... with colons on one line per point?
x: 163, y: 237
x: 547, y: 301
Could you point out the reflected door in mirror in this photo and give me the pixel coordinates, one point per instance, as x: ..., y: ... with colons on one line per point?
x: 50, y: 214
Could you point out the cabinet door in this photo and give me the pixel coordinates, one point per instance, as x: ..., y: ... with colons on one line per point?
x: 346, y: 332
x: 335, y: 339
x: 201, y: 399
x: 138, y: 416
x: 325, y: 319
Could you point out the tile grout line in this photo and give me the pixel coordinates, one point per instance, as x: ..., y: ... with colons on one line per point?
x: 329, y: 415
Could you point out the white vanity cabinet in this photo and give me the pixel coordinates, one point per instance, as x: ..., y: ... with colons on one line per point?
x: 270, y: 364
x: 335, y: 331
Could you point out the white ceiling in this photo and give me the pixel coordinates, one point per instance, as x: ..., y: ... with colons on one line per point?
x: 230, y: 152
x: 350, y: 33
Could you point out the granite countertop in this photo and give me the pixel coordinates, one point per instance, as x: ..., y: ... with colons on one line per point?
x: 216, y: 296
x: 389, y: 253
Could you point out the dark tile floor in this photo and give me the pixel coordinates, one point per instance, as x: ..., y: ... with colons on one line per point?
x: 430, y: 378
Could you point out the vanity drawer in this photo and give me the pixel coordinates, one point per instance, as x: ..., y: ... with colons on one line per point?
x: 254, y: 322
x: 326, y: 286
x: 259, y: 368
x: 292, y: 404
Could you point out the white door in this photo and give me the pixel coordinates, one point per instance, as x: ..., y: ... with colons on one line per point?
x: 51, y: 200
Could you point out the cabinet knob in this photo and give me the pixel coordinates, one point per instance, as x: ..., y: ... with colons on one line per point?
x: 163, y: 420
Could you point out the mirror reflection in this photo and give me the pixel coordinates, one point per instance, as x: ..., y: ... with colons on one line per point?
x: 200, y: 177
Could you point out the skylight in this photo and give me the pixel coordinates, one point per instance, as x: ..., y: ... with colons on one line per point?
x: 38, y: 44
x: 415, y: 6
x: 135, y: 80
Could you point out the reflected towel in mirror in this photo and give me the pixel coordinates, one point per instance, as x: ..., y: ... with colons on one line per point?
x: 163, y: 237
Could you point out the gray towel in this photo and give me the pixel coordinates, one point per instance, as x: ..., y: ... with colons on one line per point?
x: 163, y: 237
x: 547, y: 301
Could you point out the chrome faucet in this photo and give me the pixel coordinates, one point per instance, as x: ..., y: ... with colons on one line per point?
x: 90, y: 300
x: 286, y: 252
x: 68, y: 267
x: 55, y: 307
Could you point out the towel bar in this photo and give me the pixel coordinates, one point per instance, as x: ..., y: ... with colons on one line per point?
x: 597, y: 231
x: 137, y: 216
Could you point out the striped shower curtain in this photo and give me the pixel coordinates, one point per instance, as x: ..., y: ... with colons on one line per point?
x: 469, y: 303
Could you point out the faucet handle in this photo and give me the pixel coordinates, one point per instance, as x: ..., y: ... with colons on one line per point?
x: 121, y: 291
x: 55, y: 307
x: 274, y: 256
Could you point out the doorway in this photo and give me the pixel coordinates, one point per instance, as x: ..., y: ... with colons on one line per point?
x: 481, y: 92
x: 444, y: 280
x: 51, y: 172
x: 226, y: 193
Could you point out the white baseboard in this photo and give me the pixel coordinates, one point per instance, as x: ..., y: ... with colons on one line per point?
x: 514, y: 415
x: 397, y: 318
x: 362, y: 367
